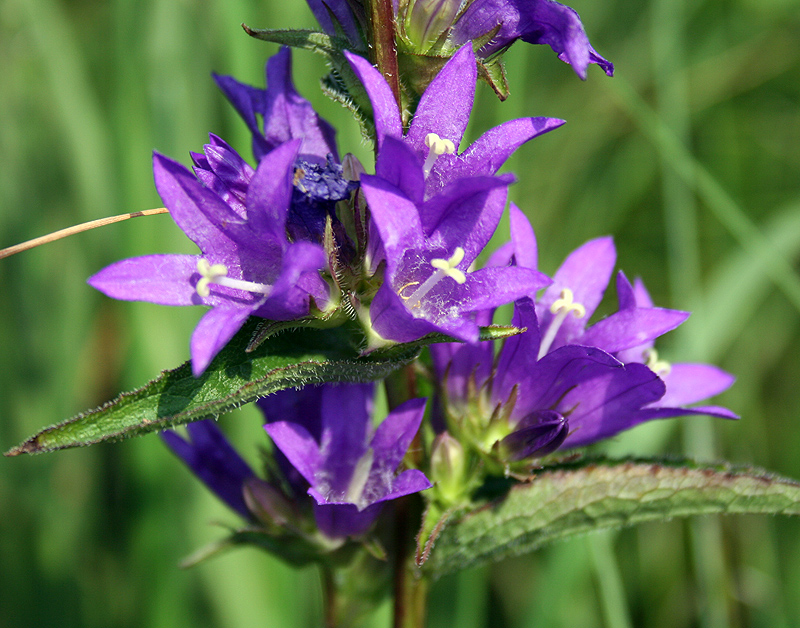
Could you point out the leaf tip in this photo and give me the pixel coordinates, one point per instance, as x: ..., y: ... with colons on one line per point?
x: 28, y: 447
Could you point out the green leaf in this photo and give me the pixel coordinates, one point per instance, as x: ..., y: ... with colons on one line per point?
x: 574, y: 498
x: 341, y: 85
x: 315, y: 41
x: 234, y: 377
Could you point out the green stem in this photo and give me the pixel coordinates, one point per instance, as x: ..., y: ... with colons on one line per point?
x: 410, y: 589
x: 382, y: 43
x: 329, y: 597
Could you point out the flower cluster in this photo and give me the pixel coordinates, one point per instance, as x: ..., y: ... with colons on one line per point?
x: 562, y: 384
x: 306, y: 238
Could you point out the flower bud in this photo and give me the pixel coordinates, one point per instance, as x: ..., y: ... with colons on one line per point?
x: 538, y: 434
x: 448, y: 468
x: 426, y: 20
x: 352, y: 168
x: 267, y: 503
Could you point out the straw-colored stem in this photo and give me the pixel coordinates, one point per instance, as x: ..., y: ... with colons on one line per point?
x: 86, y: 226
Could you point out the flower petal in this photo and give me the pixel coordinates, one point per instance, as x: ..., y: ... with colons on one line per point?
x: 298, y: 446
x: 466, y: 214
x: 341, y: 520
x: 195, y: 209
x: 490, y: 151
x: 693, y: 383
x: 605, y: 406
x: 585, y: 272
x: 398, y: 164
x: 446, y: 104
x: 213, y: 332
x: 408, y: 482
x: 392, y: 320
x: 632, y: 328
x: 162, y: 279
x: 384, y: 107
x: 523, y: 238
x: 394, y: 435
x: 327, y: 10
x: 288, y: 116
x: 270, y: 192
x: 492, y: 287
x: 346, y: 411
x: 395, y: 216
x: 211, y: 458
x: 559, y: 372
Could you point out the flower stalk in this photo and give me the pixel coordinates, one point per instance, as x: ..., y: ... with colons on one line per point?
x: 382, y: 44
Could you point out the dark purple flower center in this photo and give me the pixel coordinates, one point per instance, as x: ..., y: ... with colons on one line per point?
x: 317, y: 189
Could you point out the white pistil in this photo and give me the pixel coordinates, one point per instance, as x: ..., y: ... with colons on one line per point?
x: 561, y: 308
x: 355, y: 489
x: 217, y: 274
x: 438, y: 147
x: 659, y: 367
x: 444, y: 268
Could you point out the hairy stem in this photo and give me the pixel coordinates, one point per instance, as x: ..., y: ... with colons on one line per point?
x: 382, y: 43
x: 410, y: 588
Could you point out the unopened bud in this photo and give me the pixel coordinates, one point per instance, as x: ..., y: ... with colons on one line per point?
x: 448, y: 467
x: 352, y: 169
x: 427, y: 19
x: 537, y: 435
x: 267, y: 503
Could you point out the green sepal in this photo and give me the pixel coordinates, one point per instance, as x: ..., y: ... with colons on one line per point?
x: 494, y: 74
x: 574, y: 498
x: 235, y: 377
x: 307, y: 39
x: 292, y: 549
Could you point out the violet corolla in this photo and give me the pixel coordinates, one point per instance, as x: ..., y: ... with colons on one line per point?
x: 429, y: 247
x: 351, y: 468
x: 532, y: 21
x: 279, y: 114
x: 438, y: 27
x: 247, y: 265
x: 562, y: 384
x: 213, y: 459
x: 441, y: 119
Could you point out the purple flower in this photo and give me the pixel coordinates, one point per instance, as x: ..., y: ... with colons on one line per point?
x: 532, y: 21
x: 284, y: 113
x: 686, y: 383
x: 440, y: 121
x: 519, y: 406
x: 429, y: 246
x: 212, y: 459
x: 562, y: 384
x: 247, y: 265
x: 351, y: 468
x: 319, y: 182
x: 577, y: 289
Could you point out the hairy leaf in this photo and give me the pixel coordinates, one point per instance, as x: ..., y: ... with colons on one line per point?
x: 236, y: 376
x: 570, y: 499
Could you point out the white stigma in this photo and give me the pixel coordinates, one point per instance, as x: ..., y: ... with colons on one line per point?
x: 659, y: 367
x: 561, y: 308
x: 355, y: 489
x: 444, y: 268
x: 217, y: 274
x: 437, y: 147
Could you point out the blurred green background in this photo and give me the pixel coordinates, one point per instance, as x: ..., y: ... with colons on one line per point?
x: 690, y: 157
